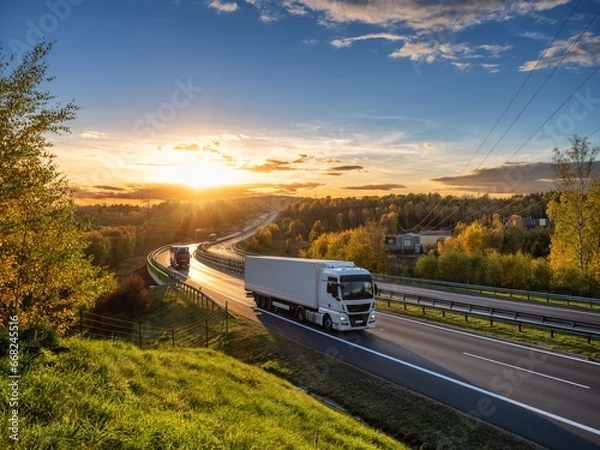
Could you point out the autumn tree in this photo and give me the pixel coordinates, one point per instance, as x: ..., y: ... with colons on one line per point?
x: 44, y: 274
x: 364, y: 245
x: 575, y: 243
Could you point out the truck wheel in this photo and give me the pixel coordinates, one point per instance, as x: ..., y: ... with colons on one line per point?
x: 327, y: 323
x: 300, y: 314
x: 268, y: 304
x: 261, y: 302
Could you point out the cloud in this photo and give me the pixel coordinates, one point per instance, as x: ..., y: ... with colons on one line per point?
x: 270, y: 12
x: 295, y: 187
x: 345, y: 168
x: 295, y: 8
x: 510, y: 178
x: 158, y: 191
x: 93, y: 134
x: 223, y: 7
x: 347, y: 42
x: 584, y: 52
x: 110, y: 188
x: 272, y: 165
x: 535, y: 35
x: 429, y: 28
x: 423, y: 17
x: 377, y: 187
x: 187, y: 147
x: 431, y: 51
x: 491, y: 68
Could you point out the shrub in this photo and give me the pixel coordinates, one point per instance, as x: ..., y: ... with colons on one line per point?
x: 129, y: 300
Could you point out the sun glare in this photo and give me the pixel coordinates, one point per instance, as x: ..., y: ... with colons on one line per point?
x: 203, y: 175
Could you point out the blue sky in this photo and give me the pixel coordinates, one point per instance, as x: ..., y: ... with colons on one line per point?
x: 315, y: 97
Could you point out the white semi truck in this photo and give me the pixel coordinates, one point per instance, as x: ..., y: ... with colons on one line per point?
x: 334, y: 294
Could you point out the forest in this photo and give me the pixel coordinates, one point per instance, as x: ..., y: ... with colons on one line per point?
x: 118, y: 232
x: 494, y: 241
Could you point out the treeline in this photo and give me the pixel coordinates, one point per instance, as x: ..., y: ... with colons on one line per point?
x: 403, y: 213
x: 119, y: 232
x: 496, y: 248
x: 304, y: 221
x: 477, y: 254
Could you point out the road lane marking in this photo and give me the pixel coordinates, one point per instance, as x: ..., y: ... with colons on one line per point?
x: 493, y: 361
x: 463, y: 384
x: 490, y: 339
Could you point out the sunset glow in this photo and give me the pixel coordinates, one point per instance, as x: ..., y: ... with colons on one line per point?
x: 310, y: 97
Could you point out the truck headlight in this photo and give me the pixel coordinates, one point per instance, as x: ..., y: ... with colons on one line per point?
x: 343, y: 318
x: 372, y: 317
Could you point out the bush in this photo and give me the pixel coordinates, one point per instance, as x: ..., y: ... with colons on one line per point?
x: 129, y: 300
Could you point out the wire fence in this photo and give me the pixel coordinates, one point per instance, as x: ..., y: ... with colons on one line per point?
x: 207, y: 323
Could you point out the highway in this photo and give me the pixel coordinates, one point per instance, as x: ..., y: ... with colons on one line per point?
x: 549, y: 398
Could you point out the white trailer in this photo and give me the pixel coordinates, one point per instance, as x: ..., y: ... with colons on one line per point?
x: 334, y: 294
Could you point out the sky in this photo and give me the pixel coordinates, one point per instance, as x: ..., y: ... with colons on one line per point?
x: 314, y: 97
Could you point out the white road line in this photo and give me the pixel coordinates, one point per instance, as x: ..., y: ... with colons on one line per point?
x: 493, y: 361
x: 490, y: 339
x: 541, y: 412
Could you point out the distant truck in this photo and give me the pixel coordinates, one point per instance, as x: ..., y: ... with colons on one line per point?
x: 180, y: 257
x: 212, y: 237
x: 336, y: 295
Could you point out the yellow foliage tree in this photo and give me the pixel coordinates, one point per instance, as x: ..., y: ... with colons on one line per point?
x: 44, y: 274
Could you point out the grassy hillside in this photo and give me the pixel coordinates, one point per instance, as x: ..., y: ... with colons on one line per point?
x: 103, y: 395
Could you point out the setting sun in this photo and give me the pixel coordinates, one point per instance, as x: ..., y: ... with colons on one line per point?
x: 201, y: 174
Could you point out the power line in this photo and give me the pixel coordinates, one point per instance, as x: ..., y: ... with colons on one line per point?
x: 522, y: 86
x: 540, y: 59
x: 540, y: 88
x: 593, y: 132
x: 556, y: 111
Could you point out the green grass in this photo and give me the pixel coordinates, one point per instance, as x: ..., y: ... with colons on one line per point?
x: 560, y: 342
x: 251, y: 390
x: 411, y: 418
x: 104, y: 395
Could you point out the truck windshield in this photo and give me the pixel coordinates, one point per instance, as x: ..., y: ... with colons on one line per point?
x: 356, y: 287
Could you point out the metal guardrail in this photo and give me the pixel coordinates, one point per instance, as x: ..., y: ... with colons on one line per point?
x: 231, y: 266
x: 492, y: 314
x: 157, y: 271
x: 553, y: 324
x: 481, y: 289
x: 173, y: 278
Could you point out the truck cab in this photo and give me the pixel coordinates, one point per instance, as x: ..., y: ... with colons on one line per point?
x: 348, y: 299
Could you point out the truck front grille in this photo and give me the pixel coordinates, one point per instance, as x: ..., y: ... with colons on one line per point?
x: 359, y: 308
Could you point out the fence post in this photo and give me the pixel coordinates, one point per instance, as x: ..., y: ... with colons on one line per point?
x: 81, y: 322
x: 226, y: 319
x: 173, y: 336
x: 206, y: 329
x: 140, y: 333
